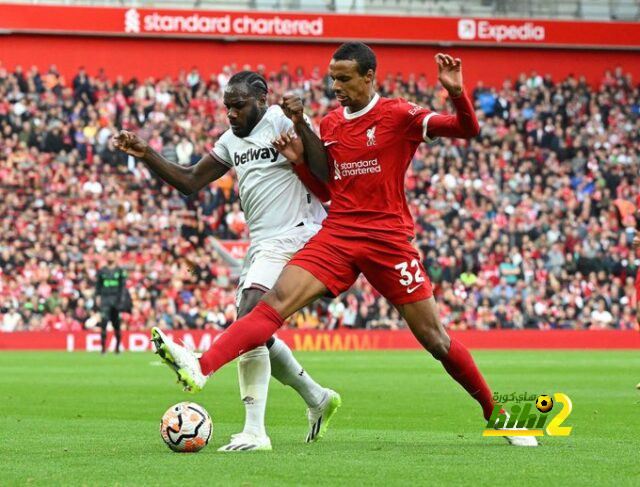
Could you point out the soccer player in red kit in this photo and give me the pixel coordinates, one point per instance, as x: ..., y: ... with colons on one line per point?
x: 364, y: 151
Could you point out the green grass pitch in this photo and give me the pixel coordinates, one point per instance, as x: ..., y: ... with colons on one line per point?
x: 86, y: 419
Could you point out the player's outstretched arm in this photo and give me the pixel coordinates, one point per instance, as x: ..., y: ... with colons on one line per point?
x: 314, y: 154
x: 464, y: 124
x: 187, y: 180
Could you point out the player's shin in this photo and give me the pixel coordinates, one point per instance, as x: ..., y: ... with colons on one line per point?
x: 286, y: 369
x: 103, y: 338
x: 460, y: 365
x: 254, y: 372
x: 245, y: 334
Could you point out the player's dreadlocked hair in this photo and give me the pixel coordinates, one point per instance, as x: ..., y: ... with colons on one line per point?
x: 358, y: 52
x: 256, y: 83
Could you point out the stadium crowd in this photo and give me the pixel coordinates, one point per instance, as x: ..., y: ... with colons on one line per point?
x: 527, y: 226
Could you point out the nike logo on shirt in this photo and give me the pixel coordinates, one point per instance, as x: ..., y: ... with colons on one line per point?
x: 330, y: 142
x: 411, y: 289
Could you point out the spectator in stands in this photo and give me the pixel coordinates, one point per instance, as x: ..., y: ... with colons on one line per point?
x: 517, y: 228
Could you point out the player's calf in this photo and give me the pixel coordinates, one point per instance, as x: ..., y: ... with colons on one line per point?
x: 423, y: 320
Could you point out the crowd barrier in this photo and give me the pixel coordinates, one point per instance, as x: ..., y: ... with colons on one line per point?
x: 339, y: 340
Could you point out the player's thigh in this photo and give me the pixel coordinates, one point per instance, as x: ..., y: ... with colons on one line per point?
x: 326, y: 264
x: 424, y: 322
x: 295, y: 288
x: 395, y: 270
x: 105, y: 315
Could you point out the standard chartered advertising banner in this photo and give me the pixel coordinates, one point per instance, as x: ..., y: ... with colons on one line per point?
x: 79, y: 20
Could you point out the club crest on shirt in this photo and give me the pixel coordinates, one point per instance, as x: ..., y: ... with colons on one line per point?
x: 415, y: 109
x: 371, y: 136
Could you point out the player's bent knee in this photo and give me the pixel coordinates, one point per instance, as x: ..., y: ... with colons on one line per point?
x: 295, y: 288
x: 433, y: 338
x: 250, y: 298
x: 276, y: 298
x: 286, y: 297
x: 439, y: 343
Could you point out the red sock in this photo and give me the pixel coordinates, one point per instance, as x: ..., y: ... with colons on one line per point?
x: 247, y: 333
x: 463, y: 369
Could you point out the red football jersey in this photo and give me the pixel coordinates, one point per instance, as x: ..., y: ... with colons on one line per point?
x: 369, y: 153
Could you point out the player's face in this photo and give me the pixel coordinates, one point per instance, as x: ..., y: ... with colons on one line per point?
x: 352, y: 89
x: 243, y: 110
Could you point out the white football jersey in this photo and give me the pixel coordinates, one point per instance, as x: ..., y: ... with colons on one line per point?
x: 274, y: 200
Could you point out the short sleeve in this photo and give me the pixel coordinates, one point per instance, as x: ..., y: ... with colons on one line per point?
x: 220, y: 152
x: 282, y: 123
x: 325, y: 129
x: 415, y: 119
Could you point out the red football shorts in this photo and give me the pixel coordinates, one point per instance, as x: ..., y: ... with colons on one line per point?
x: 391, y: 265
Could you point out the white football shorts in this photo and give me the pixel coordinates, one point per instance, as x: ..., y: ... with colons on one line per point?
x: 266, y: 259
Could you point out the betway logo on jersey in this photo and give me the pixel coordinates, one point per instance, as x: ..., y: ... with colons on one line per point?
x: 358, y: 168
x: 255, y: 155
x: 469, y: 29
x: 232, y: 24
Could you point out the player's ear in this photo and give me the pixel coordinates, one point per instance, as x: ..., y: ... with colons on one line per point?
x: 370, y: 76
x: 262, y: 99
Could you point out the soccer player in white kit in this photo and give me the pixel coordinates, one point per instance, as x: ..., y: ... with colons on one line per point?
x: 282, y: 215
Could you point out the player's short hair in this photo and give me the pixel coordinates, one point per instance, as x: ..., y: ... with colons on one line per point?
x: 358, y: 52
x: 256, y: 84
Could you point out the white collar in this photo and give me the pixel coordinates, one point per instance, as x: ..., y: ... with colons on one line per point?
x: 350, y: 116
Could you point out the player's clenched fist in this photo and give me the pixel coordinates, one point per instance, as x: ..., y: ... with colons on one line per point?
x: 293, y: 107
x: 130, y: 143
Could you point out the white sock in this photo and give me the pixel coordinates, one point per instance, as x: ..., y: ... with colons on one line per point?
x: 287, y: 370
x: 254, y: 372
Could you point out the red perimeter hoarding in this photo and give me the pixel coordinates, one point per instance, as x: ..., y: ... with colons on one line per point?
x: 339, y: 340
x: 158, y: 43
x: 17, y: 18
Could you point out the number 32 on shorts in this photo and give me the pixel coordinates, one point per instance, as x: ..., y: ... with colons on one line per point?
x: 409, y: 277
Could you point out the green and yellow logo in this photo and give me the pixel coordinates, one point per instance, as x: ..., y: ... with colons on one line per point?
x: 533, y: 415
